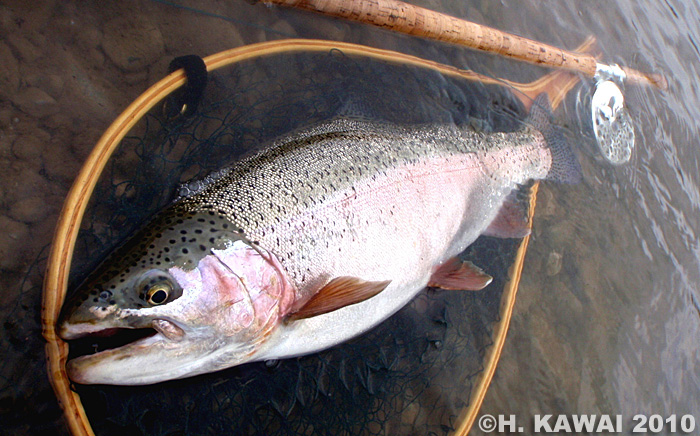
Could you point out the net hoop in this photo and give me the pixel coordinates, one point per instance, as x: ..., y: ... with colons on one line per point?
x: 70, y: 218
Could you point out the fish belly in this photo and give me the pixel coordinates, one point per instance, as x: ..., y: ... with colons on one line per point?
x: 397, y: 225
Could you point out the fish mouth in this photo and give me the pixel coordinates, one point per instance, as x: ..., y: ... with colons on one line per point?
x: 107, y: 339
x: 111, y: 338
x: 92, y: 342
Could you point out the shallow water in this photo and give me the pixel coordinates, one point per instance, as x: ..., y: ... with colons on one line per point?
x: 612, y: 330
x: 616, y: 330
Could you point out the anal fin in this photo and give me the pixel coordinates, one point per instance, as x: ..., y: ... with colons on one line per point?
x: 457, y: 274
x: 339, y: 292
x: 512, y: 219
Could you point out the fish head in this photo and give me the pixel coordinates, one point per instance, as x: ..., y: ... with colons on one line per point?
x: 201, y: 295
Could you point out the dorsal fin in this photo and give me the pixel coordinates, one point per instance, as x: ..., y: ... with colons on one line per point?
x: 457, y: 274
x: 339, y: 292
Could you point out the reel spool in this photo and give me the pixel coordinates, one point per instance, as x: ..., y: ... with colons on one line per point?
x: 612, y: 124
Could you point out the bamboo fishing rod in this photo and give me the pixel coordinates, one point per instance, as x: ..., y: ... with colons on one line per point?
x: 417, y: 21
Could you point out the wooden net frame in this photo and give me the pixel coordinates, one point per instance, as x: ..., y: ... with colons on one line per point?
x: 556, y: 85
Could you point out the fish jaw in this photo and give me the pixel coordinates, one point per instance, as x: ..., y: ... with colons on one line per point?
x: 158, y: 358
x: 229, y: 305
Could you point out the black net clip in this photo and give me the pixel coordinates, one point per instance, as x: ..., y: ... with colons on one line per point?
x: 183, y: 102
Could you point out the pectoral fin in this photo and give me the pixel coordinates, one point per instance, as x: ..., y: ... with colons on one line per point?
x: 339, y: 292
x: 458, y: 274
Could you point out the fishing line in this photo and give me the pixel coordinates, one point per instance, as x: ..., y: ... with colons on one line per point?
x: 612, y: 125
x: 223, y: 17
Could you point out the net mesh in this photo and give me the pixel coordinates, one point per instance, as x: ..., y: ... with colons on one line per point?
x: 412, y: 374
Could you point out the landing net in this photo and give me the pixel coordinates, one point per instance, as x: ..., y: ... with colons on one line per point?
x: 413, y: 374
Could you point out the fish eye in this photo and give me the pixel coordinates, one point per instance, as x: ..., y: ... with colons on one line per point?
x: 158, y: 293
x: 156, y: 287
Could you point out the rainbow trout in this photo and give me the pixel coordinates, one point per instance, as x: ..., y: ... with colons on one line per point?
x: 317, y: 239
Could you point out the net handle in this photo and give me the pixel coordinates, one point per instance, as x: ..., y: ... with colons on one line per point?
x: 417, y: 21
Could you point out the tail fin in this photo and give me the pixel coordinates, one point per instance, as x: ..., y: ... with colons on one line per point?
x: 565, y: 167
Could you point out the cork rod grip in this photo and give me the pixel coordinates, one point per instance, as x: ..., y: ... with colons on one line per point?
x: 417, y: 21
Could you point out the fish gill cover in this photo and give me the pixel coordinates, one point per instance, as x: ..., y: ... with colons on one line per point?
x: 410, y: 375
